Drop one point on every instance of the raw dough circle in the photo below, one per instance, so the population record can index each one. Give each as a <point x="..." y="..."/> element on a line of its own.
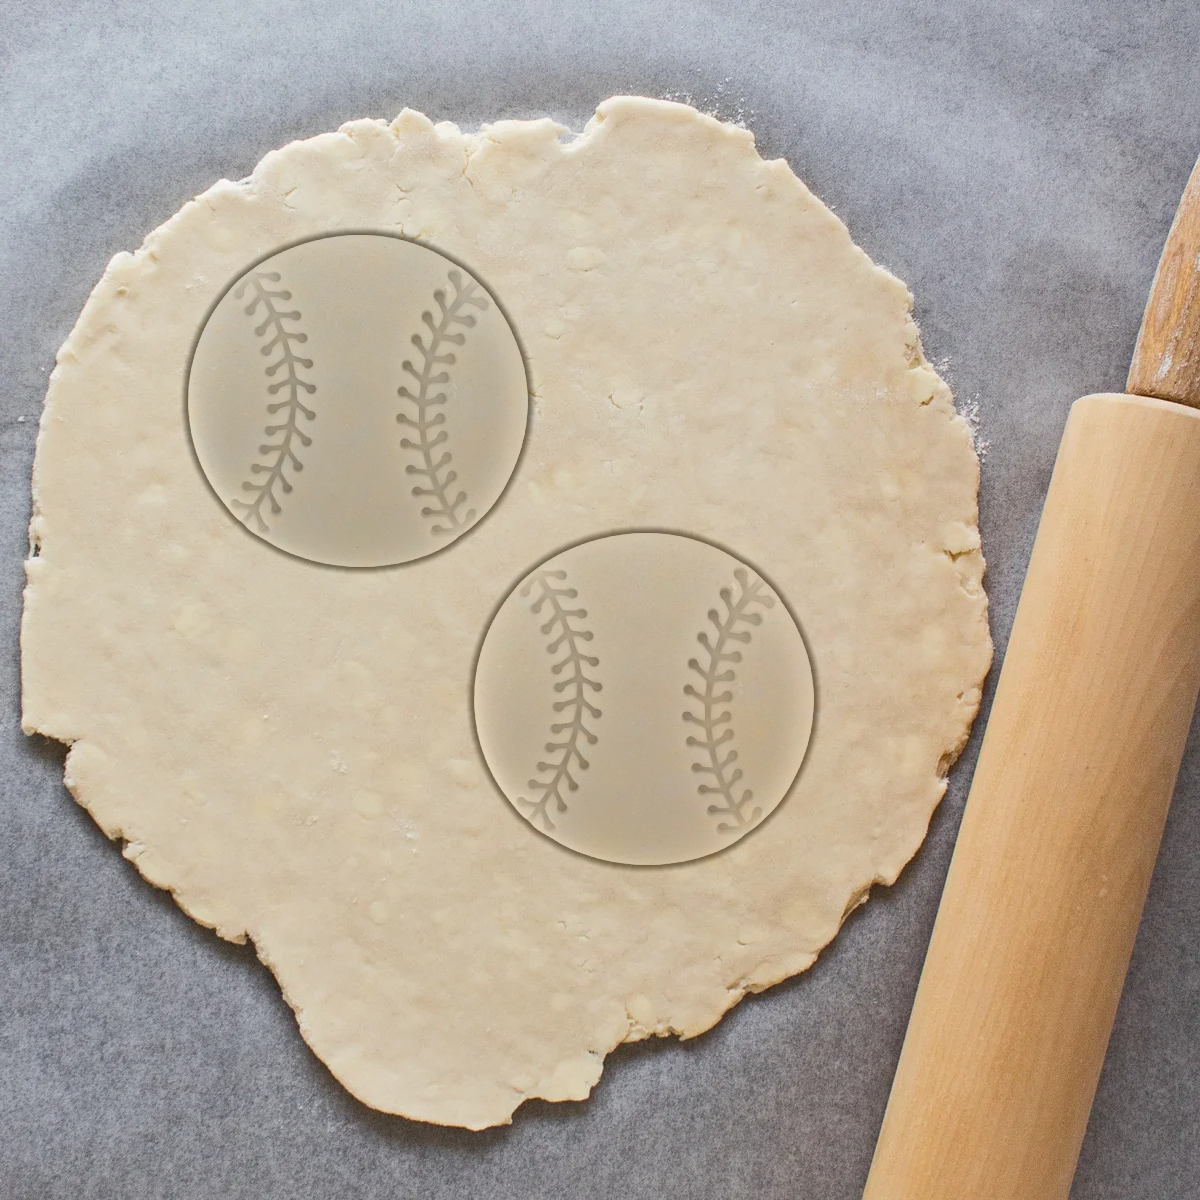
<point x="357" y="399"/>
<point x="644" y="698"/>
<point x="290" y="748"/>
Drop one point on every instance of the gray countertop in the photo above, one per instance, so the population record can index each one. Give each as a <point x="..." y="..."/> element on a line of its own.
<point x="1017" y="164"/>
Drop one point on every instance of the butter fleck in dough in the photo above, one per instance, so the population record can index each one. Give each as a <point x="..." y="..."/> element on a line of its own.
<point x="288" y="748"/>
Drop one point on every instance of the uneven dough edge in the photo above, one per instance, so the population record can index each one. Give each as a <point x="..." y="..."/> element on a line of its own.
<point x="575" y="1077"/>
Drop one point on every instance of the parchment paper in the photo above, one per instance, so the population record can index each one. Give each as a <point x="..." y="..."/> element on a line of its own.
<point x="1018" y="165"/>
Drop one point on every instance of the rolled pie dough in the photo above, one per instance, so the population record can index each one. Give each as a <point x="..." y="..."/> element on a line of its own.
<point x="289" y="747"/>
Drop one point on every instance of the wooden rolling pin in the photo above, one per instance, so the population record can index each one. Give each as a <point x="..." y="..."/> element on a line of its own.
<point x="1050" y="873"/>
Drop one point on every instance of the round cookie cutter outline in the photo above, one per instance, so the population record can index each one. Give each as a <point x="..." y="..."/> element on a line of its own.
<point x="359" y="232"/>
<point x="595" y="537"/>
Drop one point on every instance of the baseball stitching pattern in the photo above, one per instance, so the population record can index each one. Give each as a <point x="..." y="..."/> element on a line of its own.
<point x="425" y="426"/>
<point x="717" y="669"/>
<point x="265" y="300"/>
<point x="576" y="707"/>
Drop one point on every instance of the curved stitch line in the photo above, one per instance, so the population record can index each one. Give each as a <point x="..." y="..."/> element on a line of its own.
<point x="281" y="339"/>
<point x="715" y="706"/>
<point x="439" y="333"/>
<point x="576" y="706"/>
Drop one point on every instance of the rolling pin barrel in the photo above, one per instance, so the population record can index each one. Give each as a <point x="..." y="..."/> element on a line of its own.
<point x="1042" y="903"/>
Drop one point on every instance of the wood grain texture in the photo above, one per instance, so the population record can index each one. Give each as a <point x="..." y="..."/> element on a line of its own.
<point x="1166" y="360"/>
<point x="1058" y="842"/>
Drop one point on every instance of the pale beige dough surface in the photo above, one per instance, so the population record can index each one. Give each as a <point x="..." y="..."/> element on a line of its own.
<point x="288" y="747"/>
